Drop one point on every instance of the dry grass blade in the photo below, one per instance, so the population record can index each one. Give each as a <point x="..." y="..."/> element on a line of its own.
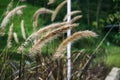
<point x="16" y="78"/>
<point x="51" y="1"/>
<point x="10" y="14"/>
<point x="40" y="78"/>
<point x="9" y="36"/>
<point x="57" y="10"/>
<point x="72" y="38"/>
<point x="50" y="76"/>
<point x="78" y="55"/>
<point x="72" y="13"/>
<point x="15" y="37"/>
<point x="48" y="37"/>
<point x="23" y="29"/>
<point x="75" y="18"/>
<point x="37" y="13"/>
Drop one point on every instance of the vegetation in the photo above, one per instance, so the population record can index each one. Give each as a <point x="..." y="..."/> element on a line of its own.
<point x="33" y="39"/>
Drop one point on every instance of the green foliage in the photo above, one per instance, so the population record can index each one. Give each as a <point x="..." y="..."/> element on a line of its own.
<point x="38" y="2"/>
<point x="112" y="57"/>
<point x="114" y="18"/>
<point x="116" y="39"/>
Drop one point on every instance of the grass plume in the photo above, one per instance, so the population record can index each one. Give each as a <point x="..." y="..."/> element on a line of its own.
<point x="74" y="37"/>
<point x="10" y="14"/>
<point x="75" y="18"/>
<point x="15" y="37"/>
<point x="36" y="35"/>
<point x="50" y="27"/>
<point x="48" y="37"/>
<point x="10" y="5"/>
<point x="51" y="1"/>
<point x="57" y="10"/>
<point x="9" y="36"/>
<point x="23" y="30"/>
<point x="71" y="14"/>
<point x="37" y="13"/>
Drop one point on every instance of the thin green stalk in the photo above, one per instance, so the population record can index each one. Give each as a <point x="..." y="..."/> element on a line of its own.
<point x="21" y="66"/>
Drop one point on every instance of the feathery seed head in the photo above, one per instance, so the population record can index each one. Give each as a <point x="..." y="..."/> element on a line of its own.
<point x="10" y="5"/>
<point x="75" y="18"/>
<point x="15" y="37"/>
<point x="38" y="34"/>
<point x="23" y="29"/>
<point x="48" y="37"/>
<point x="37" y="13"/>
<point x="10" y="14"/>
<point x="72" y="13"/>
<point x="74" y="37"/>
<point x="57" y="10"/>
<point x="9" y="36"/>
<point x="51" y="1"/>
